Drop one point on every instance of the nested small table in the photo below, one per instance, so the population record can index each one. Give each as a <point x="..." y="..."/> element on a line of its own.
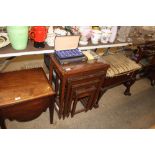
<point x="24" y="95"/>
<point x="72" y="79"/>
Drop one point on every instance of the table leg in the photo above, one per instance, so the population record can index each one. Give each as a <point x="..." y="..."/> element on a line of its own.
<point x="97" y="96"/>
<point x="68" y="101"/>
<point x="51" y="109"/>
<point x="50" y="72"/>
<point x="152" y="77"/>
<point x="152" y="82"/>
<point x="128" y="85"/>
<point x="101" y="93"/>
<point x="61" y="101"/>
<point x="2" y="123"/>
<point x="74" y="107"/>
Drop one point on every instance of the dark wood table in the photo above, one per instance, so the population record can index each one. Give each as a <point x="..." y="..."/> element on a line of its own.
<point x="67" y="71"/>
<point x="64" y="72"/>
<point x="24" y="95"/>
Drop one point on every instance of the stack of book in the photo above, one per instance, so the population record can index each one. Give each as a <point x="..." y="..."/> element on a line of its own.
<point x="70" y="56"/>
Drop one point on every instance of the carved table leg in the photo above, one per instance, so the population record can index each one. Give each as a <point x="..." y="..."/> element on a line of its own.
<point x="2" y="124"/>
<point x="128" y="85"/>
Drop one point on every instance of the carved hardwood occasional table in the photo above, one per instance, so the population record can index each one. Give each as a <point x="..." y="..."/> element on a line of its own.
<point x="24" y="95"/>
<point x="76" y="81"/>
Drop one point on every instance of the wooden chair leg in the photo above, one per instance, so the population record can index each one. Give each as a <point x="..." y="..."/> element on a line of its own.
<point x="2" y="124"/>
<point x="51" y="110"/>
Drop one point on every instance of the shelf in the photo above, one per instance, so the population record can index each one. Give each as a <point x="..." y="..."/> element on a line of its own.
<point x="91" y="46"/>
<point x="8" y="51"/>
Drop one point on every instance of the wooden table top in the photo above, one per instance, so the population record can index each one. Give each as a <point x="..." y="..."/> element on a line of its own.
<point x="79" y="67"/>
<point x="20" y="86"/>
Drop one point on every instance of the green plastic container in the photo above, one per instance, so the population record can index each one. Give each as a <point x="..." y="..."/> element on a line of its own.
<point x="18" y="36"/>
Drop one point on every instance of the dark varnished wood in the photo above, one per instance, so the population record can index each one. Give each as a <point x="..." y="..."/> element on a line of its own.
<point x="68" y="90"/>
<point x="88" y="92"/>
<point x="65" y="72"/>
<point x="144" y="53"/>
<point x="83" y="86"/>
<point x="26" y="111"/>
<point x="26" y="84"/>
<point x="127" y="79"/>
<point x="24" y="95"/>
<point x="2" y="123"/>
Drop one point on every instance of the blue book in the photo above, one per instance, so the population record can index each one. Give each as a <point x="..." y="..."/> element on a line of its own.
<point x="67" y="54"/>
